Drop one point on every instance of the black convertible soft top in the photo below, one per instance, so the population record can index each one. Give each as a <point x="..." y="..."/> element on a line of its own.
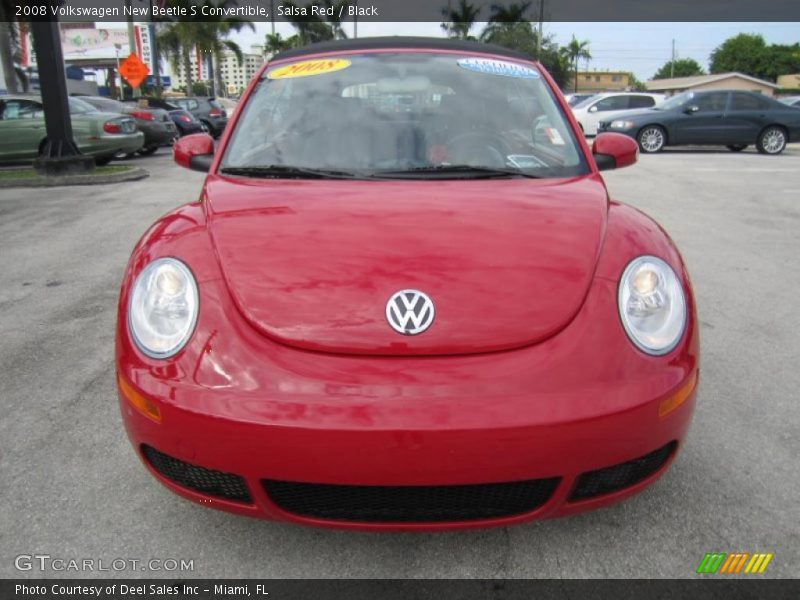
<point x="400" y="42"/>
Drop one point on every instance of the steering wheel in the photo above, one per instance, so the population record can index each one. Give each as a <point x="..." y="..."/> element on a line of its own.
<point x="477" y="148"/>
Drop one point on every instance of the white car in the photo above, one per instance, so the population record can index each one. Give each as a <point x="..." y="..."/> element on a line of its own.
<point x="604" y="107"/>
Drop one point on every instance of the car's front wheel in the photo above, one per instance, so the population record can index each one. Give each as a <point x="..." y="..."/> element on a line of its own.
<point x="651" y="139"/>
<point x="772" y="140"/>
<point x="736" y="147"/>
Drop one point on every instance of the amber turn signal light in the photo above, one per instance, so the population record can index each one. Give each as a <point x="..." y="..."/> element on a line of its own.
<point x="675" y="400"/>
<point x="139" y="402"/>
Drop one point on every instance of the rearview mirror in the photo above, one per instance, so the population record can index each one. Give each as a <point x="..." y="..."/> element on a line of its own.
<point x="691" y="109"/>
<point x="614" y="151"/>
<point x="195" y="152"/>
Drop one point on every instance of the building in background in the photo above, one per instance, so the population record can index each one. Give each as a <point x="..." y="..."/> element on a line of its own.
<point x="789" y="82"/>
<point x="235" y="76"/>
<point x="719" y="81"/>
<point x="602" y="81"/>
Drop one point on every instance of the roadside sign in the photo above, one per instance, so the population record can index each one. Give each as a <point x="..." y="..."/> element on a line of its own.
<point x="134" y="71"/>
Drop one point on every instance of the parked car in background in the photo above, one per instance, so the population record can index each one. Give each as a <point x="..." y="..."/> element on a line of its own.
<point x="155" y="123"/>
<point x="229" y="105"/>
<point x="207" y="109"/>
<point x="574" y="99"/>
<point x="791" y="101"/>
<point x="184" y="121"/>
<point x="730" y="118"/>
<point x="604" y="106"/>
<point x="99" y="134"/>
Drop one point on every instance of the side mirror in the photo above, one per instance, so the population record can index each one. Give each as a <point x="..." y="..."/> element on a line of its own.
<point x="593" y="108"/>
<point x="691" y="109"/>
<point x="194" y="152"/>
<point x="614" y="151"/>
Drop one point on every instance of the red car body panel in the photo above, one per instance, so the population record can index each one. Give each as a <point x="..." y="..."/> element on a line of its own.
<point x="293" y="374"/>
<point x="291" y="250"/>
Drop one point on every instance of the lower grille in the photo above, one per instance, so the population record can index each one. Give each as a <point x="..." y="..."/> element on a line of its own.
<point x="206" y="481"/>
<point x="611" y="479"/>
<point x="410" y="504"/>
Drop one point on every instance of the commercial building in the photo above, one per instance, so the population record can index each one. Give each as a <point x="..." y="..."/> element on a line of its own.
<point x="602" y="81"/>
<point x="719" y="81"/>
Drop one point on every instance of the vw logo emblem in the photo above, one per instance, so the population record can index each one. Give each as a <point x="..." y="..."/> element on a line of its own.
<point x="409" y="312"/>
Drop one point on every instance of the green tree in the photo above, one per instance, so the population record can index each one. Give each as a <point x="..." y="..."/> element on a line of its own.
<point x="507" y="22"/>
<point x="746" y="53"/>
<point x="177" y="41"/>
<point x="213" y="42"/>
<point x="312" y="28"/>
<point x="682" y="67"/>
<point x="574" y="51"/>
<point x="782" y="60"/>
<point x="635" y="85"/>
<point x="274" y="43"/>
<point x="459" y="21"/>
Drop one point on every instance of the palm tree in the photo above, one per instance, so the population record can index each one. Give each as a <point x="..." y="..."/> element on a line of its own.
<point x="509" y="28"/>
<point x="177" y="42"/>
<point x="212" y="40"/>
<point x="336" y="8"/>
<point x="574" y="51"/>
<point x="457" y="23"/>
<point x="274" y="43"/>
<point x="311" y="28"/>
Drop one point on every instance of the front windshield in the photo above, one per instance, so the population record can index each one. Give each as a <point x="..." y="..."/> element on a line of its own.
<point x="676" y="101"/>
<point x="386" y="114"/>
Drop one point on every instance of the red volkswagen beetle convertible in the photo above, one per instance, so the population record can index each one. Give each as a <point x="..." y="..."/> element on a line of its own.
<point x="404" y="300"/>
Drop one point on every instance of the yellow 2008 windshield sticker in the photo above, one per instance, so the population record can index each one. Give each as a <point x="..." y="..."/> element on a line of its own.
<point x="309" y="67"/>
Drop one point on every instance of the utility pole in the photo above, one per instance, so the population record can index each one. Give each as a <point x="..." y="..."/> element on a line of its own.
<point x="131" y="41"/>
<point x="672" y="61"/>
<point x="272" y="14"/>
<point x="154" y="53"/>
<point x="355" y="20"/>
<point x="539" y="37"/>
<point x="59" y="154"/>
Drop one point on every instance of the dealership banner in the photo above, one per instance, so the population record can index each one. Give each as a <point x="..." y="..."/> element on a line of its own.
<point x="405" y="10"/>
<point x="395" y="589"/>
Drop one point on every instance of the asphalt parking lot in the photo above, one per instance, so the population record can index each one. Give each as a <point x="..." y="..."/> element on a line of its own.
<point x="73" y="488"/>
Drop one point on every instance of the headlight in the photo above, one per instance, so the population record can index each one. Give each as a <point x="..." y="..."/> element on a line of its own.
<point x="163" y="308"/>
<point x="621" y="125"/>
<point x="652" y="305"/>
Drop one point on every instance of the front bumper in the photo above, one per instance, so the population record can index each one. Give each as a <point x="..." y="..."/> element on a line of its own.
<point x="112" y="144"/>
<point x="236" y="403"/>
<point x="630" y="132"/>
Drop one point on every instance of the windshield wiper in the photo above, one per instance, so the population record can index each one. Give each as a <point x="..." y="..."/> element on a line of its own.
<point x="460" y="171"/>
<point x="289" y="172"/>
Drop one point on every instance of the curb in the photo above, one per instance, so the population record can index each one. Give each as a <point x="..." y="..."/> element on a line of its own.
<point x="36" y="182"/>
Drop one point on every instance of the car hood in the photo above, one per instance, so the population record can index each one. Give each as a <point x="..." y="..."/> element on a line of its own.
<point x="313" y="263"/>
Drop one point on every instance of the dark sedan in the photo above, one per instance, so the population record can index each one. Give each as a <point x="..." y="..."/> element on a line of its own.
<point x="185" y="121"/>
<point x="729" y="118"/>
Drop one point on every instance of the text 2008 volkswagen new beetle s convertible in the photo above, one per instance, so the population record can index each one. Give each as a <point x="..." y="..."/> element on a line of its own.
<point x="404" y="300"/>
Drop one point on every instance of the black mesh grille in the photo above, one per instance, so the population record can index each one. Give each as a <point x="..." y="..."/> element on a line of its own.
<point x="199" y="479"/>
<point x="611" y="479"/>
<point x="409" y="504"/>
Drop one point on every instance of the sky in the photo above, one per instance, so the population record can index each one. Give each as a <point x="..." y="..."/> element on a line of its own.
<point x="641" y="48"/>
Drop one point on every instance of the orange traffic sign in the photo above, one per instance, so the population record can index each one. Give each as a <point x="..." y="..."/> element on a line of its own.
<point x="134" y="71"/>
